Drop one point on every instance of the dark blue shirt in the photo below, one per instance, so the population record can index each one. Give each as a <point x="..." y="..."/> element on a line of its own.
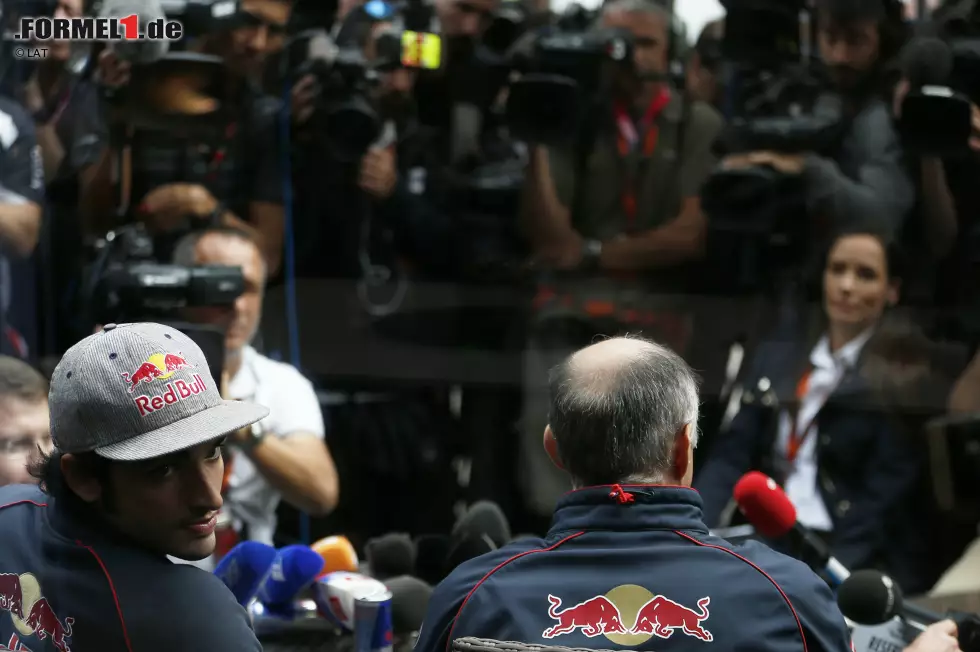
<point x="66" y="585"/>
<point x="638" y="574"/>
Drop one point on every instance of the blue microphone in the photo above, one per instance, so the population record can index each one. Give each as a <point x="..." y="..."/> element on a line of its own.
<point x="295" y="568"/>
<point x="244" y="569"/>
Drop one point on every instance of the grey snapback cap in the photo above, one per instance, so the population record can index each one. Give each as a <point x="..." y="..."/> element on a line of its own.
<point x="138" y="391"/>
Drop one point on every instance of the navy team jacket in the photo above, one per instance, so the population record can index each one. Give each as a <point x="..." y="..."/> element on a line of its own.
<point x="66" y="586"/>
<point x="634" y="567"/>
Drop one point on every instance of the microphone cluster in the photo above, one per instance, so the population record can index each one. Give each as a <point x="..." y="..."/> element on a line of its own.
<point x="321" y="588"/>
<point x="870" y="601"/>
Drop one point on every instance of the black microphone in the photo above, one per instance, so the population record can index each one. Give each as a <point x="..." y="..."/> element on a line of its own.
<point x="483" y="517"/>
<point x="869" y="597"/>
<point x="927" y="61"/>
<point x="390" y="555"/>
<point x="409" y="602"/>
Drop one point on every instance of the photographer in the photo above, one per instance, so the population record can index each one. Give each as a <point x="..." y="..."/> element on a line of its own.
<point x="379" y="208"/>
<point x="284" y="456"/>
<point x="866" y="180"/>
<point x="638" y="207"/>
<point x="394" y="181"/>
<point x="180" y="181"/>
<point x="21" y="198"/>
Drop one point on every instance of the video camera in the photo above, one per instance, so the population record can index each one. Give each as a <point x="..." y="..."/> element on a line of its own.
<point x="345" y="117"/>
<point x="125" y="284"/>
<point x="775" y="101"/>
<point x="944" y="79"/>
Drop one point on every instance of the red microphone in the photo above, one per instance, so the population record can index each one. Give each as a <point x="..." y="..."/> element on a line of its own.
<point x="771" y="513"/>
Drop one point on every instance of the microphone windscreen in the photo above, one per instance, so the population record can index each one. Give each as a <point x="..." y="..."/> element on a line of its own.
<point x="483" y="517"/>
<point x="409" y="602"/>
<point x="468" y="548"/>
<point x="144" y="50"/>
<point x="926" y="61"/>
<point x="869" y="598"/>
<point x="296" y="567"/>
<point x="335" y="594"/>
<point x="244" y="569"/>
<point x="431" y="552"/>
<point x="390" y="555"/>
<point x="338" y="554"/>
<point x="765" y="504"/>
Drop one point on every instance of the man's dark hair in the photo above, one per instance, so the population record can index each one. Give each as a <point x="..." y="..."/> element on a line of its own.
<point x="622" y="427"/>
<point x="20" y="380"/>
<point x="892" y="28"/>
<point x="46" y="469"/>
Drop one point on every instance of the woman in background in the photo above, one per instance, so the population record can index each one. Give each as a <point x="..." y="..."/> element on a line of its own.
<point x="818" y="414"/>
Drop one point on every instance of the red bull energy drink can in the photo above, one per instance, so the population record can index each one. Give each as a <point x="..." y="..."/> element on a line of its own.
<point x="372" y="623"/>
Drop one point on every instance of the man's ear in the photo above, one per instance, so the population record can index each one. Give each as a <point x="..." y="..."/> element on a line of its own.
<point x="683" y="464"/>
<point x="551" y="447"/>
<point x="80" y="479"/>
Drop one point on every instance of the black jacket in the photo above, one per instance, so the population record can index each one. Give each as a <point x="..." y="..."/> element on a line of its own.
<point x="869" y="469"/>
<point x="65" y="585"/>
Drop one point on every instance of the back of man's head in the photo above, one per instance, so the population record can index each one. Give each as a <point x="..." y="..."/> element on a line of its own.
<point x="617" y="408"/>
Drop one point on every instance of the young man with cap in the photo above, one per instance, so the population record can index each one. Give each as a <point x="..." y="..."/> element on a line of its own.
<point x="137" y="423"/>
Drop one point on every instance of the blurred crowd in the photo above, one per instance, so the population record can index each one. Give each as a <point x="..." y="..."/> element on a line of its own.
<point x="369" y="246"/>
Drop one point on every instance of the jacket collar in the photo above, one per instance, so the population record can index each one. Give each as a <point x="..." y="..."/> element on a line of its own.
<point x="629" y="507"/>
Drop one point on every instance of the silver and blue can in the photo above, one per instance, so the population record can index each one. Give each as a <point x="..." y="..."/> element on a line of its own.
<point x="372" y="623"/>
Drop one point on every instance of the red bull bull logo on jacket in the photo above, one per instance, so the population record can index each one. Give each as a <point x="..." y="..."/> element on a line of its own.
<point x="162" y="367"/>
<point x="31" y="613"/>
<point x="628" y="615"/>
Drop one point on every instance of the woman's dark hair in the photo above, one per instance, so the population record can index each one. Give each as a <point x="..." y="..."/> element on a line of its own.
<point x="46" y="469"/>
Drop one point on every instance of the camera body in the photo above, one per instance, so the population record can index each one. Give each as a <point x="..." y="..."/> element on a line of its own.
<point x="776" y="101"/>
<point x="566" y="75"/>
<point x="126" y="284"/>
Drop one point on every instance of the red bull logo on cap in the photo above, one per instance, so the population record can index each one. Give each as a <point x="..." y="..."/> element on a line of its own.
<point x="628" y="615"/>
<point x="31" y="613"/>
<point x="162" y="366"/>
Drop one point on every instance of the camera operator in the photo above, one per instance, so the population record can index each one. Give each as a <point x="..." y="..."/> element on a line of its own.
<point x="284" y="454"/>
<point x="383" y="208"/>
<point x="393" y="181"/>
<point x="659" y="143"/>
<point x="867" y="179"/>
<point x="21" y="198"/>
<point x="178" y="183"/>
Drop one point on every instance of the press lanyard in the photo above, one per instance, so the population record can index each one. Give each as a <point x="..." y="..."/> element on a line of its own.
<point x="629" y="137"/>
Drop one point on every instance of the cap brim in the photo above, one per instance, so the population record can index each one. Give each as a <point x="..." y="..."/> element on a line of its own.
<point x="207" y="425"/>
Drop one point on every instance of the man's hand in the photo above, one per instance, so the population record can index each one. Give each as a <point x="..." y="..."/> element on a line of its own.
<point x="785" y="163"/>
<point x="113" y="71"/>
<point x="378" y="173"/>
<point x="303" y="96"/>
<point x="165" y="208"/>
<point x="938" y="637"/>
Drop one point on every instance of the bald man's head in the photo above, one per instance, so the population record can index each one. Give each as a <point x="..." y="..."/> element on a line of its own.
<point x="618" y="408"/>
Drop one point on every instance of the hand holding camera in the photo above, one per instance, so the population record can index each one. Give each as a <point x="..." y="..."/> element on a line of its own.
<point x="165" y="208"/>
<point x="378" y="173"/>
